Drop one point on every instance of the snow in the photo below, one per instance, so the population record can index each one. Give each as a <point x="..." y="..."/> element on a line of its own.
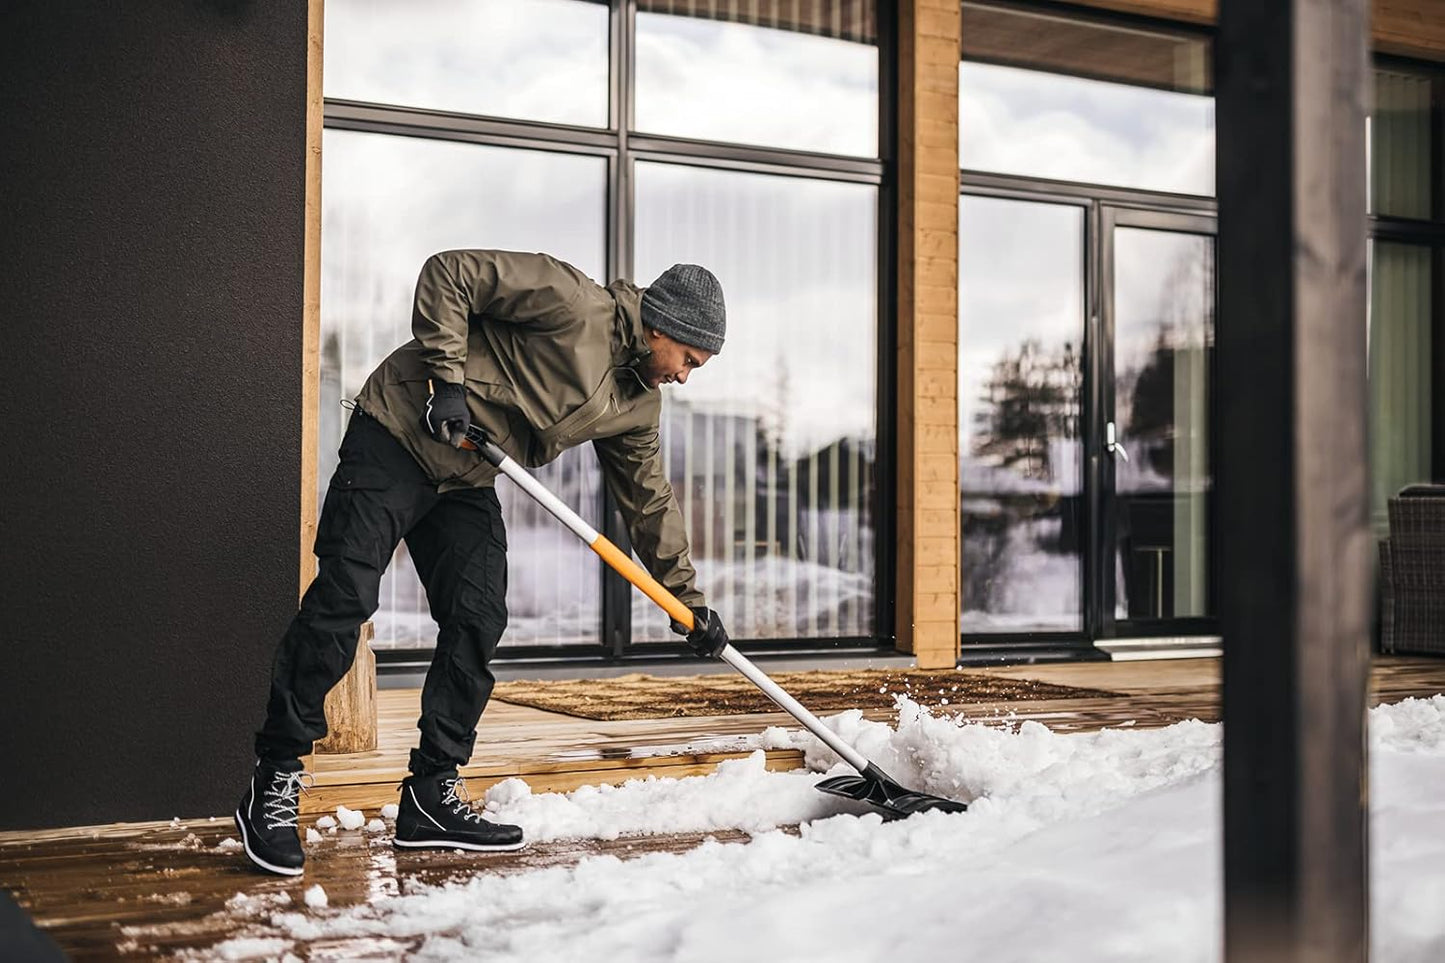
<point x="316" y="897"/>
<point x="326" y="822"/>
<point x="312" y="836"/>
<point x="376" y="826"/>
<point x="350" y="818"/>
<point x="389" y="811"/>
<point x="228" y="844"/>
<point x="1087" y="846"/>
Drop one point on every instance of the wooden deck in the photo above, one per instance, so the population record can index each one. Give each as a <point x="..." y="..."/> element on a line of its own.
<point x="143" y="890"/>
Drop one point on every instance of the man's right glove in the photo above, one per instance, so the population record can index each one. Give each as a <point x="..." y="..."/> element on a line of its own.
<point x="708" y="637"/>
<point x="446" y="415"/>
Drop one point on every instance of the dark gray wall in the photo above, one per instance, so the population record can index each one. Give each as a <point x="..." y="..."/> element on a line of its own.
<point x="150" y="377"/>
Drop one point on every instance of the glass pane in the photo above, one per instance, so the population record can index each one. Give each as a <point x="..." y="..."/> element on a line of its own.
<point x="542" y="60"/>
<point x="1021" y="335"/>
<point x="1401" y="380"/>
<point x="388" y="203"/>
<point x="1400" y="145"/>
<point x="1037" y="124"/>
<point x="783" y="77"/>
<point x="770" y="447"/>
<point x="1163" y="345"/>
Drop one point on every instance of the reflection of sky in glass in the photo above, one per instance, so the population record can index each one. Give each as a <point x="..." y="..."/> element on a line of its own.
<point x="1020" y="277"/>
<point x="540" y="60"/>
<point x="1038" y="124"/>
<point x="797" y="262"/>
<point x="755" y="85"/>
<point x="387" y="203"/>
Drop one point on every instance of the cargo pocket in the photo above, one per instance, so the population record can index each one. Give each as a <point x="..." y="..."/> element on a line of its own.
<point x="482" y="577"/>
<point x="357" y="522"/>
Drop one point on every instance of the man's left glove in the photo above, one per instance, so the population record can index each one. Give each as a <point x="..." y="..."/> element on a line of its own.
<point x="446" y="415"/>
<point x="708" y="637"/>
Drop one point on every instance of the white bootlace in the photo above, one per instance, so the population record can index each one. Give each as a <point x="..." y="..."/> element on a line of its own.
<point x="457" y="794"/>
<point x="281" y="799"/>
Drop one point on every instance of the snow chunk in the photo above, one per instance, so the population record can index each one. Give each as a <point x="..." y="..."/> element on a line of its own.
<point x="316" y="897"/>
<point x="312" y="836"/>
<point x="326" y="822"/>
<point x="229" y="845"/>
<point x="350" y="818"/>
<point x="389" y="811"/>
<point x="376" y="826"/>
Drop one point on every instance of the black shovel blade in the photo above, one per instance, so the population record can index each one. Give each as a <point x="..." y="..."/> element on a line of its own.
<point x="877" y="789"/>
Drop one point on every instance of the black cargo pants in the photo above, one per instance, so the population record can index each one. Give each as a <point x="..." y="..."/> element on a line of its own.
<point x="377" y="497"/>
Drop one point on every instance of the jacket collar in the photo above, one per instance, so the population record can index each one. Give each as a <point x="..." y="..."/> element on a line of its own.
<point x="629" y="337"/>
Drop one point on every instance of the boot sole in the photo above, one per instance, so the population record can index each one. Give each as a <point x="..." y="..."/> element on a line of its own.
<point x="453" y="844"/>
<point x="268" y="867"/>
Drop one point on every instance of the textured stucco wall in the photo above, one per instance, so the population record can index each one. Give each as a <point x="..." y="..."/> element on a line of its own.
<point x="150" y="380"/>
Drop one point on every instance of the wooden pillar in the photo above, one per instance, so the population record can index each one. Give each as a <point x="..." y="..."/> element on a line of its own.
<point x="1293" y="540"/>
<point x="351" y="704"/>
<point x="311" y="296"/>
<point x="927" y="427"/>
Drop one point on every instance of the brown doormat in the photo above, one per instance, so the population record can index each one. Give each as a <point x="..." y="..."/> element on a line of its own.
<point x="659" y="697"/>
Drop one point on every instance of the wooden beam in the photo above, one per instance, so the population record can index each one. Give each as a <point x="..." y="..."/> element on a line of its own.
<point x="1293" y="540"/>
<point x="1410" y="28"/>
<point x="927" y="362"/>
<point x="311" y="297"/>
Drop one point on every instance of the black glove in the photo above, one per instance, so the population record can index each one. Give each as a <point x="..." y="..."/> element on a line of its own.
<point x="708" y="637"/>
<point x="446" y="415"/>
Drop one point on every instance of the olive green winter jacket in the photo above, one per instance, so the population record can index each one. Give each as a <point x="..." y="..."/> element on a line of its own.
<point x="549" y="360"/>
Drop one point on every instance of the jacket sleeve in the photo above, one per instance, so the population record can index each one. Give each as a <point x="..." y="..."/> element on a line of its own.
<point x="633" y="471"/>
<point x="455" y="286"/>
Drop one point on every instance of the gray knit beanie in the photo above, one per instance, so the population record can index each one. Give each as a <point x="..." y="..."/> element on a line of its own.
<point x="686" y="303"/>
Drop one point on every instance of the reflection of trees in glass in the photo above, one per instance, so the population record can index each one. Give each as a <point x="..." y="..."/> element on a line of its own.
<point x="1030" y="398"/>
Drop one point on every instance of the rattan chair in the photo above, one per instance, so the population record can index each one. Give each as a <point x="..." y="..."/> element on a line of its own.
<point x="1412" y="573"/>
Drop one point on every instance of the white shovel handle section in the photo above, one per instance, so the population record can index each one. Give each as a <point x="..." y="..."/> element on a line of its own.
<point x="547" y="500"/>
<point x="793" y="707"/>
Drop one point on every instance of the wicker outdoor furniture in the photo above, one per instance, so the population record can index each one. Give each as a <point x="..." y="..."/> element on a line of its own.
<point x="1412" y="573"/>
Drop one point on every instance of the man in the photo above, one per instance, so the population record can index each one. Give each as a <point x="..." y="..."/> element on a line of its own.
<point x="541" y="358"/>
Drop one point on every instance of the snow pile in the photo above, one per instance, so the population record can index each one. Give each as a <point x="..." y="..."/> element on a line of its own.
<point x="389" y="811"/>
<point x="316" y="897"/>
<point x="350" y="818"/>
<point x="1098" y="846"/>
<point x="376" y="826"/>
<point x="326" y="822"/>
<point x="229" y="844"/>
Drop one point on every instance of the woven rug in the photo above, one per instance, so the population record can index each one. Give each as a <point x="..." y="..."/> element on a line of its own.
<point x="660" y="697"/>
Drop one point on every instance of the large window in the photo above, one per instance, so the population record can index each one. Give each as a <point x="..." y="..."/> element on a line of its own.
<point x="739" y="135"/>
<point x="1407" y="417"/>
<point x="1086" y="317"/>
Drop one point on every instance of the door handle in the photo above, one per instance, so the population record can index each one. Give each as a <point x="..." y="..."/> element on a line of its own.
<point x="1111" y="443"/>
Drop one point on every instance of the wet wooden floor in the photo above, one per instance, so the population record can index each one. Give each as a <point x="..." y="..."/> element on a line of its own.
<point x="140" y="891"/>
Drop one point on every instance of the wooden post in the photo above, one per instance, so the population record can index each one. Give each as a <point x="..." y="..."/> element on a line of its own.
<point x="927" y="430"/>
<point x="351" y="705"/>
<point x="1292" y="566"/>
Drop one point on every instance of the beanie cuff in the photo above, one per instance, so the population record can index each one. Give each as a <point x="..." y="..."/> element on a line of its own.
<point x="680" y="329"/>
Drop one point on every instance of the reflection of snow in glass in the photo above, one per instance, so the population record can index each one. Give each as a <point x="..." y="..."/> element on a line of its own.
<point x="1038" y="124"/>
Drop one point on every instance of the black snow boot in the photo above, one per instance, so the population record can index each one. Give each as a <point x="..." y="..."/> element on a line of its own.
<point x="435" y="813"/>
<point x="266" y="817"/>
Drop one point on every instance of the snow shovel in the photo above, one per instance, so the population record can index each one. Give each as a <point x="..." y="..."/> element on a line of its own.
<point x="872" y="785"/>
